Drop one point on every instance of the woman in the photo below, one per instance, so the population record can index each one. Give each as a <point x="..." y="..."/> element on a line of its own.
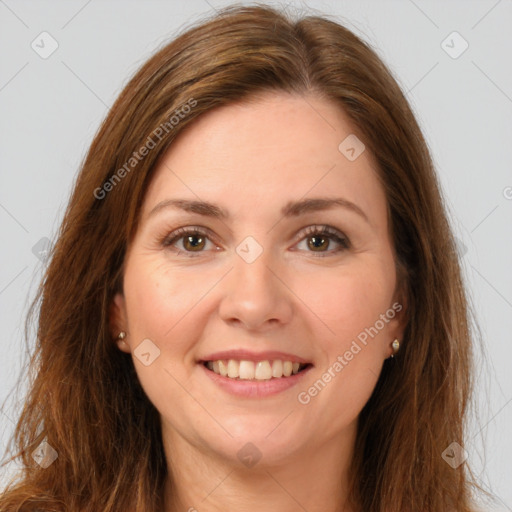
<point x="255" y="301"/>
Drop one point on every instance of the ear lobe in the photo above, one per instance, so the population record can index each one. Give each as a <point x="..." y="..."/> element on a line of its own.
<point x="117" y="316"/>
<point x="400" y="302"/>
<point x="399" y="321"/>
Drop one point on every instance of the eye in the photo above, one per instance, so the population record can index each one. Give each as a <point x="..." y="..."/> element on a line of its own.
<point x="192" y="240"/>
<point x="319" y="238"/>
<point x="195" y="240"/>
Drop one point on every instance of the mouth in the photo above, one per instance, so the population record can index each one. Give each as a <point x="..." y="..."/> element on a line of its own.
<point x="264" y="370"/>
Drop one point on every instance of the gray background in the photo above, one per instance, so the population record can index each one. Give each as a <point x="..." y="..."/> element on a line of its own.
<point x="51" y="108"/>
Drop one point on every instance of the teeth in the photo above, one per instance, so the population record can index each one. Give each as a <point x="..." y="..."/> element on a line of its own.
<point x="223" y="368"/>
<point x="263" y="370"/>
<point x="250" y="370"/>
<point x="246" y="370"/>
<point x="233" y="369"/>
<point x="277" y="368"/>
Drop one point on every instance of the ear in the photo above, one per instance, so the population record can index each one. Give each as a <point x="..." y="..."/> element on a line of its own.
<point x="118" y="321"/>
<point x="398" y="323"/>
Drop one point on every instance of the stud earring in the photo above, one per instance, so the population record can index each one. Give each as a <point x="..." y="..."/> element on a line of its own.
<point x="121" y="336"/>
<point x="396" y="347"/>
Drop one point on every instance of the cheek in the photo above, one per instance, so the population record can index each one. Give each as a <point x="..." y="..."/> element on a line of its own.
<point x="159" y="306"/>
<point x="159" y="300"/>
<point x="349" y="300"/>
<point x="350" y="303"/>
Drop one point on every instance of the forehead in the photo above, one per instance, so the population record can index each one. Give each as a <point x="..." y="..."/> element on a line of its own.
<point x="275" y="148"/>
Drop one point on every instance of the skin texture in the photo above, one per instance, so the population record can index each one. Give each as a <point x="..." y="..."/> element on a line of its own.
<point x="251" y="159"/>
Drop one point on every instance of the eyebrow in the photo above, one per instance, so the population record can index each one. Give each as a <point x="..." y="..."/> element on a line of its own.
<point x="291" y="209"/>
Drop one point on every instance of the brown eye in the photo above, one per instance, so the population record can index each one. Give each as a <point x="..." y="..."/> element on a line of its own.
<point x="318" y="242"/>
<point x="321" y="238"/>
<point x="188" y="241"/>
<point x="194" y="242"/>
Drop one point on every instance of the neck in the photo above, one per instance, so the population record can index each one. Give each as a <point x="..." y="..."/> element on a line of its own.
<point x="316" y="479"/>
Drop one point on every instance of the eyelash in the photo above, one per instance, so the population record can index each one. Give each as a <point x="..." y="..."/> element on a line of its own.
<point x="310" y="231"/>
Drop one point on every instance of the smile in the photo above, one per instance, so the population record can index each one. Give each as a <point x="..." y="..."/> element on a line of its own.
<point x="255" y="370"/>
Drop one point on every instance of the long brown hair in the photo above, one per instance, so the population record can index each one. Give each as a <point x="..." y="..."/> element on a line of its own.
<point x="85" y="400"/>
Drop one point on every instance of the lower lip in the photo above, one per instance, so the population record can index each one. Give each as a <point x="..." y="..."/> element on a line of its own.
<point x="255" y="388"/>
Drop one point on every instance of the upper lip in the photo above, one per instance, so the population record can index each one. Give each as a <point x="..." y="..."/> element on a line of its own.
<point x="247" y="355"/>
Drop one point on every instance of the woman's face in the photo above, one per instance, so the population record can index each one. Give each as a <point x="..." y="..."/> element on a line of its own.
<point x="260" y="286"/>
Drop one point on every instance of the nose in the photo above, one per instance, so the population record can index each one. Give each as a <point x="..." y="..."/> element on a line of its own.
<point x="255" y="295"/>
